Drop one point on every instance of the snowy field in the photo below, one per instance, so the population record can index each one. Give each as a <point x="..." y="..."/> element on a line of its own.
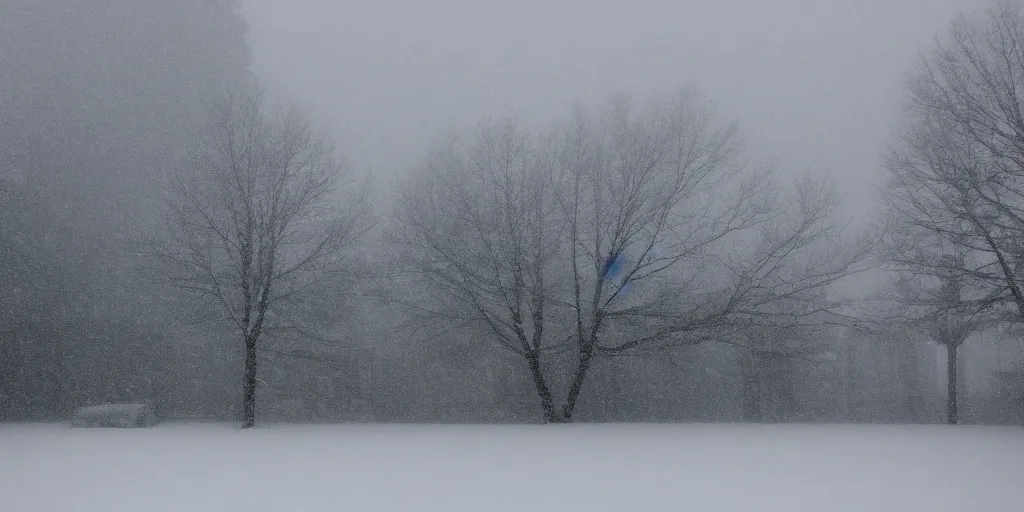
<point x="191" y="468"/>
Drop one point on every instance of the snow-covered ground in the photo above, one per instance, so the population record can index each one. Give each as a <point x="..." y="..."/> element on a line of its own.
<point x="191" y="468"/>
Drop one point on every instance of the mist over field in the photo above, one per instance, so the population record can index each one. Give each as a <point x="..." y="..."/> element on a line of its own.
<point x="273" y="214"/>
<point x="790" y="234"/>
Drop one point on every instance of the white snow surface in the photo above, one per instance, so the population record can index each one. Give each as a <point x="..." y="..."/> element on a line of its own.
<point x="192" y="468"/>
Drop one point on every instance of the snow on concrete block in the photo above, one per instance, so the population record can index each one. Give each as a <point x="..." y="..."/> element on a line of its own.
<point x="115" y="416"/>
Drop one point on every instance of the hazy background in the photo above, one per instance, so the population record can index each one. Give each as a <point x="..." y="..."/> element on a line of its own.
<point x="101" y="102"/>
<point x="817" y="85"/>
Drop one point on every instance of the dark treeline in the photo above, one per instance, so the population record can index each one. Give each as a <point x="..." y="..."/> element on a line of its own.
<point x="171" y="235"/>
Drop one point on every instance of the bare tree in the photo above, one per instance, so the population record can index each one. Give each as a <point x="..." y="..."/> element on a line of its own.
<point x="957" y="168"/>
<point x="705" y="245"/>
<point x="956" y="185"/>
<point x="480" y="224"/>
<point x="257" y="228"/>
<point x="624" y="230"/>
<point x="940" y="306"/>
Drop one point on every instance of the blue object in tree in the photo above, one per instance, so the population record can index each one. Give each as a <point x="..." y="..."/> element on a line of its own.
<point x="613" y="266"/>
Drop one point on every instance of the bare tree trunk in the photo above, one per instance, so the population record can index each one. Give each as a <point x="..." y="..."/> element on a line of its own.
<point x="249" y="385"/>
<point x="582" y="366"/>
<point x="547" y="403"/>
<point x="951" y="402"/>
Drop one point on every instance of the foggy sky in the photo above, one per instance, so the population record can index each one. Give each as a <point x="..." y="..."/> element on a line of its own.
<point x="816" y="84"/>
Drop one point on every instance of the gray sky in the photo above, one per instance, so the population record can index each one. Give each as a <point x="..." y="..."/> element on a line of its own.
<point x="815" y="83"/>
